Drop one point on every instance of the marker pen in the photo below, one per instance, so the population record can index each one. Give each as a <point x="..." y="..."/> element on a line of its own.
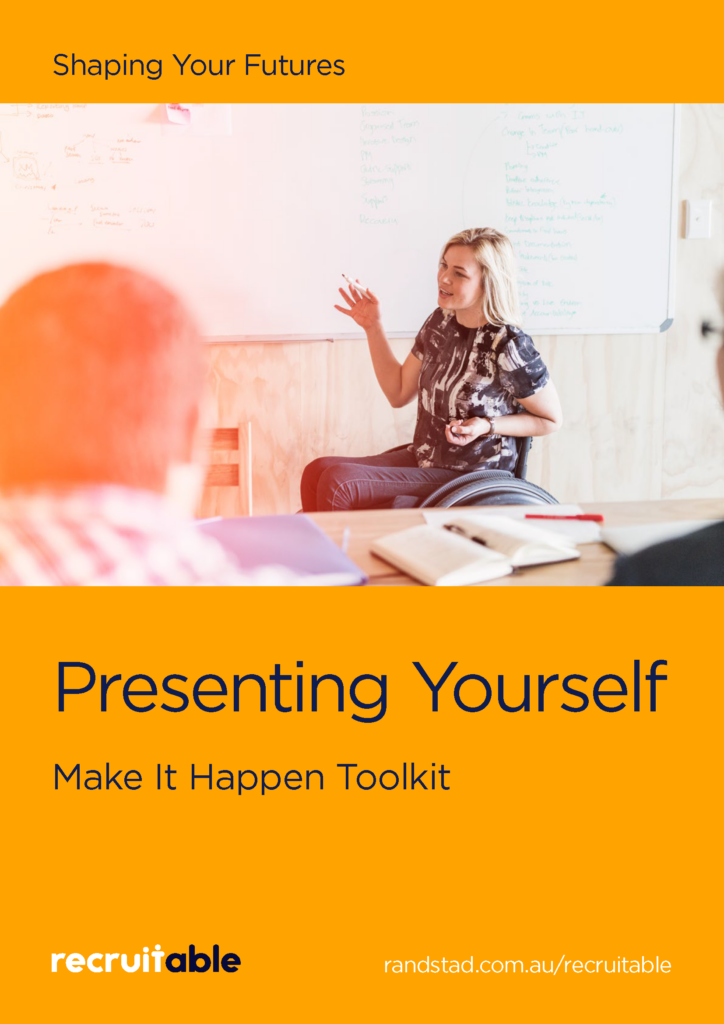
<point x="357" y="287"/>
<point x="587" y="518"/>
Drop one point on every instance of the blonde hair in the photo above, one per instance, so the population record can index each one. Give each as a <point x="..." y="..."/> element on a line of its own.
<point x="494" y="255"/>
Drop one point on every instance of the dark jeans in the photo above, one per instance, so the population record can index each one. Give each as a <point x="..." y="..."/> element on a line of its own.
<point x="339" y="483"/>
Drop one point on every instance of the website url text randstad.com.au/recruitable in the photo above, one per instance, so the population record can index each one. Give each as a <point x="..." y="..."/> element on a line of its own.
<point x="619" y="965"/>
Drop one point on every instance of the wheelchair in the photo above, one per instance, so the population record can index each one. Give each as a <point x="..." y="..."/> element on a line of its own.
<point x="485" y="487"/>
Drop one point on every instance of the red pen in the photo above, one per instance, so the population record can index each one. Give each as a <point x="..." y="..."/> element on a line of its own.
<point x="585" y="517"/>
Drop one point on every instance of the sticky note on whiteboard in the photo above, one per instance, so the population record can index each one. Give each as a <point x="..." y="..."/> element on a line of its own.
<point x="179" y="113"/>
<point x="199" y="118"/>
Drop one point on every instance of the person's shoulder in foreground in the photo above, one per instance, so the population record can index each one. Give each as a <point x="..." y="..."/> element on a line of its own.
<point x="691" y="561"/>
<point x="112" y="536"/>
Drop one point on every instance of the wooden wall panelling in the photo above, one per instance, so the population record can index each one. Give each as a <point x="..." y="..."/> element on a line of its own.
<point x="693" y="451"/>
<point x="612" y="392"/>
<point x="344" y="409"/>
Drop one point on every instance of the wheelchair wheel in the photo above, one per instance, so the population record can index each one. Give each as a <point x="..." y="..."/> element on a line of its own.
<point x="504" y="489"/>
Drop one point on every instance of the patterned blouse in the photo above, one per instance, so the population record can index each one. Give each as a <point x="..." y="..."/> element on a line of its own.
<point x="466" y="372"/>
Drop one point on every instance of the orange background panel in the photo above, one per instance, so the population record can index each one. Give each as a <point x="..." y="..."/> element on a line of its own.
<point x="589" y="835"/>
<point x="532" y="52"/>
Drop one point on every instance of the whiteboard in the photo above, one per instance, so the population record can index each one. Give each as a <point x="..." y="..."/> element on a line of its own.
<point x="254" y="211"/>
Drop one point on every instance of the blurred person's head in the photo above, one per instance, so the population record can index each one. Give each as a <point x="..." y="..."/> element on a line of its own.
<point x="100" y="377"/>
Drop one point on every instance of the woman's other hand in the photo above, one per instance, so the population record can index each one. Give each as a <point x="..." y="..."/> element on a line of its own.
<point x="462" y="432"/>
<point x="364" y="311"/>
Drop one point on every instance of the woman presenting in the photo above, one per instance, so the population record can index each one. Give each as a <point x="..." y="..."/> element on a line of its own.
<point x="479" y="381"/>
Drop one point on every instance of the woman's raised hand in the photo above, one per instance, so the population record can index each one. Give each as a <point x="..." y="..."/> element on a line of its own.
<point x="364" y="311"/>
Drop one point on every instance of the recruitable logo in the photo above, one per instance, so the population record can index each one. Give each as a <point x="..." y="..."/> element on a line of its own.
<point x="176" y="963"/>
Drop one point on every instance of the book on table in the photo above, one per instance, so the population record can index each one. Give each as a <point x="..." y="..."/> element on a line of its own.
<point x="472" y="549"/>
<point x="293" y="542"/>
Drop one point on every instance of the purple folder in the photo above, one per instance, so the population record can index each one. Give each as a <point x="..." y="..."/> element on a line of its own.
<point x="295" y="542"/>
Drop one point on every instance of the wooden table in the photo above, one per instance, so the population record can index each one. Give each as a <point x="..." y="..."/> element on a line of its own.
<point x="592" y="569"/>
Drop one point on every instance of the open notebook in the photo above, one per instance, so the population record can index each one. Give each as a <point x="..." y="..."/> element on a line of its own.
<point x="577" y="531"/>
<point x="470" y="550"/>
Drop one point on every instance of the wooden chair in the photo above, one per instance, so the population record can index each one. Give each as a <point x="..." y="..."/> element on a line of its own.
<point x="229" y="474"/>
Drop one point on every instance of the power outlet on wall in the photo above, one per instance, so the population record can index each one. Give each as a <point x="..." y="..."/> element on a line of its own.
<point x="698" y="218"/>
